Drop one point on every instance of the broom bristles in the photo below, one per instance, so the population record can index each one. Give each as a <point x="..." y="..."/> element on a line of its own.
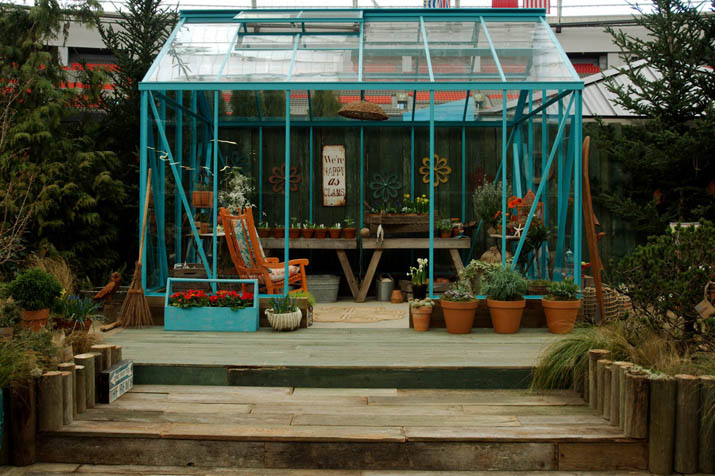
<point x="135" y="309"/>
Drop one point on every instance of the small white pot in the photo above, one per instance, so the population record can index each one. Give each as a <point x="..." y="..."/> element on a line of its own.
<point x="284" y="322"/>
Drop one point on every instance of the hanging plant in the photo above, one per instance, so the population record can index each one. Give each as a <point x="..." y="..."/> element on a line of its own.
<point x="441" y="170"/>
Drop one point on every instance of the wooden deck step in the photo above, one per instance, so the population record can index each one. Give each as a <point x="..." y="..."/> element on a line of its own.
<point x="346" y="429"/>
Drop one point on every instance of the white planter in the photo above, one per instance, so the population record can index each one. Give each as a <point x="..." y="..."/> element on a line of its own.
<point x="284" y="322"/>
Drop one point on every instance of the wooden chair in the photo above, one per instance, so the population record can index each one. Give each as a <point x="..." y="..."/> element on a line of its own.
<point x="250" y="260"/>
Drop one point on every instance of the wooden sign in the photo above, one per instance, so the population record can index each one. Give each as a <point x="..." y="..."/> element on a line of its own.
<point x="334" y="184"/>
<point x="115" y="381"/>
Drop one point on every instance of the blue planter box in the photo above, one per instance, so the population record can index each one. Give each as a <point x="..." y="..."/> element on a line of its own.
<point x="211" y="319"/>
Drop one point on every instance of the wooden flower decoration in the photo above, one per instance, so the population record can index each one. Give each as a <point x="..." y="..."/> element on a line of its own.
<point x="279" y="177"/>
<point x="385" y="187"/>
<point x="441" y="170"/>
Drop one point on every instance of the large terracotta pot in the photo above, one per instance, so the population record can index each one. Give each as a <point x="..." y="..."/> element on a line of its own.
<point x="35" y="320"/>
<point x="459" y="316"/>
<point x="506" y="315"/>
<point x="349" y="233"/>
<point x="560" y="315"/>
<point x="421" y="318"/>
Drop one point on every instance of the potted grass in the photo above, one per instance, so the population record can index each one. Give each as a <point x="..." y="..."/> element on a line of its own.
<point x="9" y="316"/>
<point x="444" y="226"/>
<point x="459" y="306"/>
<point x="349" y="231"/>
<point x="284" y="315"/>
<point x="264" y="230"/>
<point x="561" y="305"/>
<point x="308" y="230"/>
<point x="75" y="313"/>
<point x="421" y="313"/>
<point x="321" y="231"/>
<point x="35" y="292"/>
<point x="294" y="230"/>
<point x="505" y="290"/>
<point x="278" y="231"/>
<point x="335" y="230"/>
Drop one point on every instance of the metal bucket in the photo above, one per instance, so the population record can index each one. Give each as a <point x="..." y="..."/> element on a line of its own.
<point x="384" y="285"/>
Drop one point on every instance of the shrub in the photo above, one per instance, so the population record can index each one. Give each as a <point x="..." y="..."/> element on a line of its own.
<point x="35" y="289"/>
<point x="487" y="200"/>
<point x="505" y="285"/>
<point x="459" y="292"/>
<point x="9" y="313"/>
<point x="565" y="290"/>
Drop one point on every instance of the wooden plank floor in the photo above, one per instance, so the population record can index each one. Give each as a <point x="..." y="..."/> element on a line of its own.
<point x="284" y="427"/>
<point x="335" y="347"/>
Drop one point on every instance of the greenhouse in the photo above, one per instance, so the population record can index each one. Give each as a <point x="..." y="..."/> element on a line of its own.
<point x="355" y="116"/>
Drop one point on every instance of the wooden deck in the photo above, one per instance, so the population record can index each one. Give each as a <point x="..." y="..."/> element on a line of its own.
<point x="366" y="429"/>
<point x="335" y="357"/>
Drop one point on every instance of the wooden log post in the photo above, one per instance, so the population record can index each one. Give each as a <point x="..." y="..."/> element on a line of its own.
<point x="67" y="402"/>
<point x="661" y="434"/>
<point x="71" y="367"/>
<point x="116" y="354"/>
<point x="87" y="361"/>
<point x="49" y="402"/>
<point x="578" y="380"/>
<point x="706" y="453"/>
<point x="23" y="424"/>
<point x="686" y="424"/>
<point x="637" y="401"/>
<point x="80" y="385"/>
<point x="622" y="369"/>
<point x="106" y="352"/>
<point x="594" y="355"/>
<point x="607" y="379"/>
<point x="615" y="413"/>
<point x="601" y="389"/>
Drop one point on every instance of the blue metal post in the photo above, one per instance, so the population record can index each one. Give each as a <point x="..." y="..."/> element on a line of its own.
<point x="464" y="175"/>
<point x="214" y="241"/>
<point x="530" y="151"/>
<point x="503" y="180"/>
<point x="260" y="172"/>
<point x="577" y="179"/>
<point x="431" y="191"/>
<point x="179" y="159"/>
<point x="143" y="168"/>
<point x="547" y="216"/>
<point x="412" y="161"/>
<point x="286" y="218"/>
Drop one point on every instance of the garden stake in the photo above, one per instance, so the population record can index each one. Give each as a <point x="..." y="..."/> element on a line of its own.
<point x="135" y="310"/>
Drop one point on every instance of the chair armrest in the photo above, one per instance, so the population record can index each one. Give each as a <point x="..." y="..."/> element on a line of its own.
<point x="272" y="260"/>
<point x="298" y="262"/>
<point x="293" y="262"/>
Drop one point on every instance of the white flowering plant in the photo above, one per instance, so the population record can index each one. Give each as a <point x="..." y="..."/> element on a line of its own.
<point x="237" y="190"/>
<point x="418" y="275"/>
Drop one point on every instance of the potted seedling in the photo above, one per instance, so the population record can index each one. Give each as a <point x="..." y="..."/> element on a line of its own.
<point x="505" y="290"/>
<point x="278" y="231"/>
<point x="349" y="231"/>
<point x="445" y="228"/>
<point x="75" y="313"/>
<point x="421" y="313"/>
<point x="35" y="292"/>
<point x="284" y="315"/>
<point x="418" y="276"/>
<point x="308" y="230"/>
<point x="202" y="196"/>
<point x="537" y="287"/>
<point x="264" y="229"/>
<point x="9" y="316"/>
<point x="321" y="231"/>
<point x="561" y="305"/>
<point x="294" y="230"/>
<point x="459" y="305"/>
<point x="335" y="230"/>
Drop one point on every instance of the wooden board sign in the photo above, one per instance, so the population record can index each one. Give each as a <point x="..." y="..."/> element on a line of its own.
<point x="115" y="381"/>
<point x="334" y="183"/>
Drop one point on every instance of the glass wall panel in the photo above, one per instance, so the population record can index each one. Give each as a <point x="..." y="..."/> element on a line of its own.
<point x="394" y="51"/>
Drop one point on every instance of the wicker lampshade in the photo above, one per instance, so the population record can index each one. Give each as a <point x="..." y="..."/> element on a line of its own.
<point x="364" y="110"/>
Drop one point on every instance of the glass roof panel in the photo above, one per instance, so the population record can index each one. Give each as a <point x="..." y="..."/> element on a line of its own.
<point x="196" y="54"/>
<point x="394" y="51"/>
<point x="322" y="58"/>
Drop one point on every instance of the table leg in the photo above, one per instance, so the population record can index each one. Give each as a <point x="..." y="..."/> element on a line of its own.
<point x="371" y="268"/>
<point x="456" y="260"/>
<point x="348" y="272"/>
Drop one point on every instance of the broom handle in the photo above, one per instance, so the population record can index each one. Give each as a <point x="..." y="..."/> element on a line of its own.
<point x="146" y="211"/>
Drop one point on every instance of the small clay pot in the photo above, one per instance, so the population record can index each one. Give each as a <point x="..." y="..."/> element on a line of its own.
<point x="421" y="317"/>
<point x="279" y="232"/>
<point x="445" y="234"/>
<point x="334" y="232"/>
<point x="294" y="232"/>
<point x="349" y="233"/>
<point x="264" y="232"/>
<point x="321" y="233"/>
<point x="396" y="296"/>
<point x="308" y="232"/>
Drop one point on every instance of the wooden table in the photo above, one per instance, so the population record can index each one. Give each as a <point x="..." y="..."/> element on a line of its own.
<point x="451" y="244"/>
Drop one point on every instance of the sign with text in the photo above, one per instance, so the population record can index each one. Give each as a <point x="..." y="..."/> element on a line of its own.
<point x="334" y="185"/>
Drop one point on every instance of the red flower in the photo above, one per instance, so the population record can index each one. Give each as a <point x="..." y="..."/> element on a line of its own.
<point x="233" y="294"/>
<point x="247" y="296"/>
<point x="513" y="202"/>
<point x="175" y="295"/>
<point x="213" y="298"/>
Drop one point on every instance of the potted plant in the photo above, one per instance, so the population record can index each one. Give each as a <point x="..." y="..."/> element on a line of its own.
<point x="284" y="315"/>
<point x="445" y="228"/>
<point x="237" y="188"/>
<point x="202" y="196"/>
<point x="231" y="311"/>
<point x="537" y="287"/>
<point x="294" y="230"/>
<point x="278" y="231"/>
<point x="418" y="276"/>
<point x="203" y="226"/>
<point x="35" y="292"/>
<point x="75" y="313"/>
<point x="9" y="316"/>
<point x="505" y="289"/>
<point x="561" y="305"/>
<point x="421" y="313"/>
<point x="487" y="203"/>
<point x="308" y="230"/>
<point x="474" y="271"/>
<point x="334" y="231"/>
<point x="321" y="231"/>
<point x="459" y="305"/>
<point x="264" y="229"/>
<point x="349" y="231"/>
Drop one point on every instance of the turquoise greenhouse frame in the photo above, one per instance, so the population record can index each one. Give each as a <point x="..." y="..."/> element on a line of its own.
<point x="503" y="51"/>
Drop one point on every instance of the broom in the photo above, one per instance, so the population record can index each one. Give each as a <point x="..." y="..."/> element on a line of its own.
<point x="135" y="310"/>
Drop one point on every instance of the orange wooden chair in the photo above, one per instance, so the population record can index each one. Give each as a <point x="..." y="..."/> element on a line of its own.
<point x="250" y="260"/>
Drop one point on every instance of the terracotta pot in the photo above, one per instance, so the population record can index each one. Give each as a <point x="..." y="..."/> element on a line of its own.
<point x="264" y="232"/>
<point x="560" y="315"/>
<point x="202" y="199"/>
<point x="421" y="318"/>
<point x="35" y="320"/>
<point x="205" y="228"/>
<point x="419" y="291"/>
<point x="294" y="232"/>
<point x="445" y="234"/>
<point x="459" y="316"/>
<point x="308" y="232"/>
<point x="506" y="315"/>
<point x="349" y="233"/>
<point x="321" y="232"/>
<point x="396" y="296"/>
<point x="278" y="232"/>
<point x="68" y="326"/>
<point x="334" y="232"/>
<point x="536" y="290"/>
<point x="455" y="231"/>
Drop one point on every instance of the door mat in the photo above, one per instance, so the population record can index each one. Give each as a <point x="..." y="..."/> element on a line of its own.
<point x="356" y="314"/>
